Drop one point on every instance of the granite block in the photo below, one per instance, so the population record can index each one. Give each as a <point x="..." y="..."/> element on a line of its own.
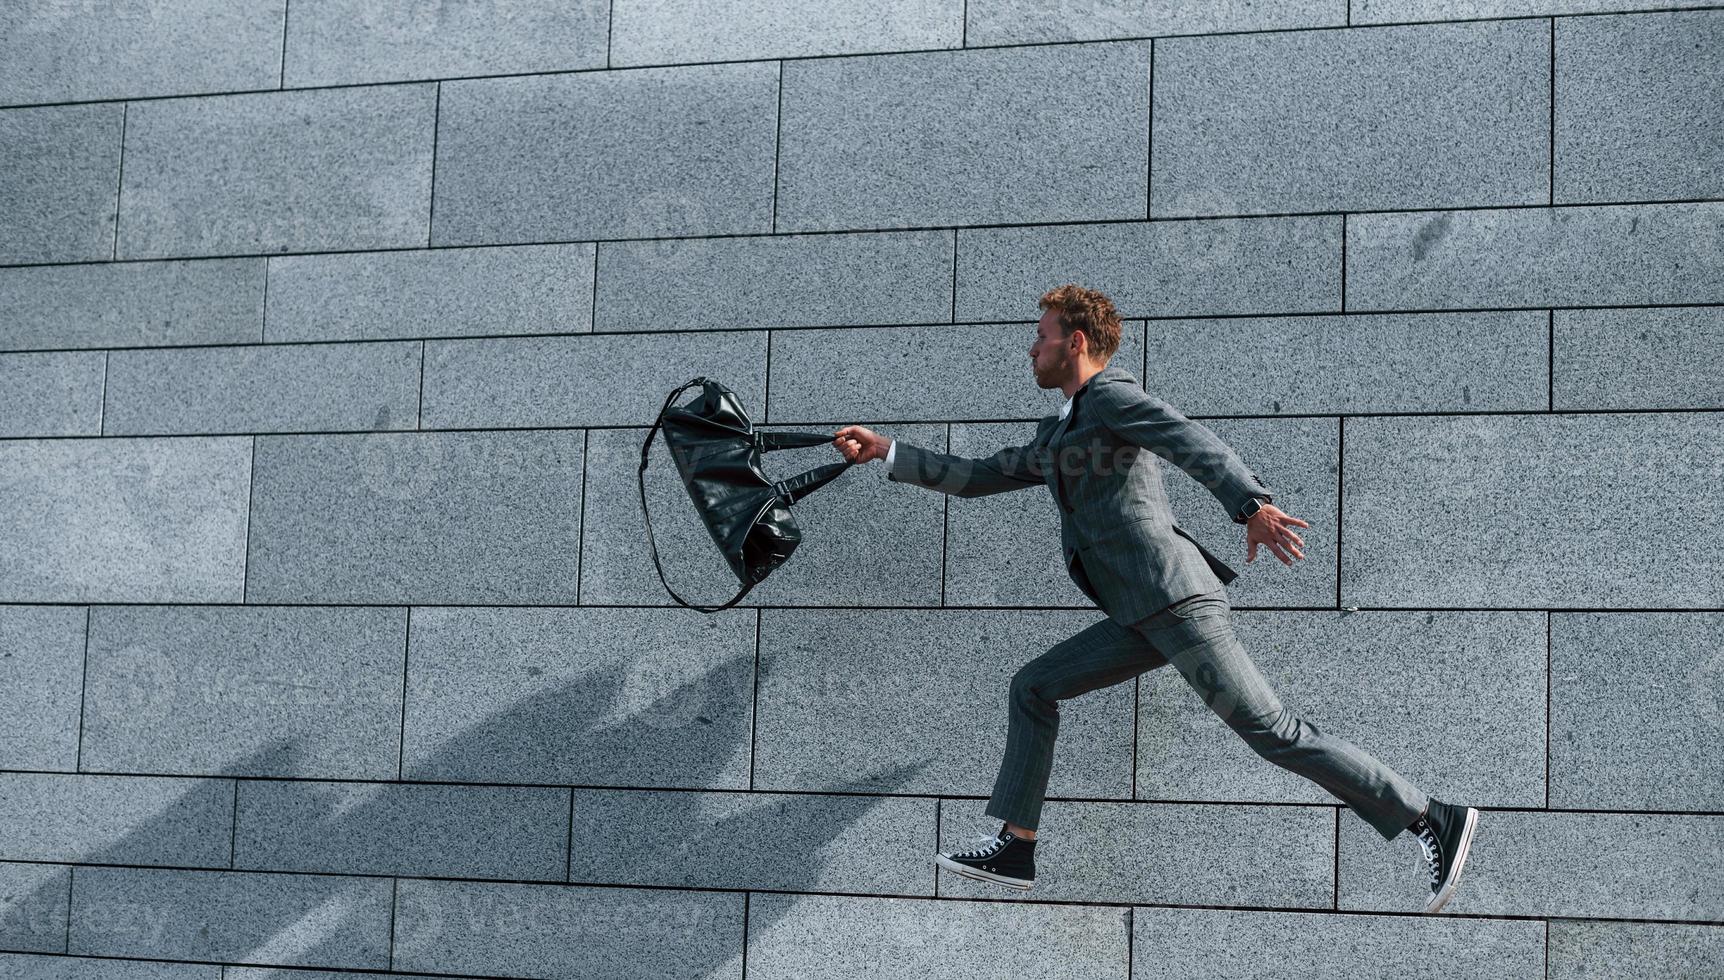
<point x="624" y="697"/>
<point x="401" y="517"/>
<point x="1353" y="363"/>
<point x="940" y="138"/>
<point x="83" y="50"/>
<point x="232" y="917"/>
<point x="263" y="388"/>
<point x="514" y="832"/>
<point x="1633" y="950"/>
<point x="116" y="819"/>
<point x="799" y="842"/>
<point x="1380" y="11"/>
<point x="1429" y="116"/>
<point x="498" y="929"/>
<point x="128" y="304"/>
<point x="1637" y="710"/>
<point x="949" y="372"/>
<point x="1608" y="255"/>
<point x="851" y="938"/>
<point x="1453" y="701"/>
<point x="592" y="379"/>
<point x="231" y="690"/>
<point x="349" y="42"/>
<point x="263" y="973"/>
<point x="61" y="167"/>
<point x="916" y="702"/>
<point x="1458" y="511"/>
<point x="41" y="686"/>
<point x="1156" y="268"/>
<point x="893" y="561"/>
<point x="1663" y="358"/>
<point x="33" y="901"/>
<point x="124" y="520"/>
<point x="775" y="281"/>
<point x="1531" y="863"/>
<point x="52" y="394"/>
<point x="1640" y="107"/>
<point x="21" y="966"/>
<point x="1043" y="21"/>
<point x="437" y="292"/>
<point x="313" y="170"/>
<point x="1162" y="853"/>
<point x="1221" y="944"/>
<point x="1300" y="459"/>
<point x="648" y="32"/>
<point x="1003" y="549"/>
<point x="612" y="154"/>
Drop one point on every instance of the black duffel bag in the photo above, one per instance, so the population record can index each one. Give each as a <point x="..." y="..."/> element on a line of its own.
<point x="717" y="453"/>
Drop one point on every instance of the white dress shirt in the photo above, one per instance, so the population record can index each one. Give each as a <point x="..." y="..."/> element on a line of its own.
<point x="1065" y="407"/>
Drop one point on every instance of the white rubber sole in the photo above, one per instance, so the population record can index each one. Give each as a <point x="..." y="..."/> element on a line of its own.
<point x="1441" y="897"/>
<point x="980" y="875"/>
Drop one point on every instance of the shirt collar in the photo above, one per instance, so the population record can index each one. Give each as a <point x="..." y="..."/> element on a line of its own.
<point x="1066" y="407"/>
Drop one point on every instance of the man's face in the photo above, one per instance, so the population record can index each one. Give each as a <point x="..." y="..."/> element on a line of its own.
<point x="1050" y="354"/>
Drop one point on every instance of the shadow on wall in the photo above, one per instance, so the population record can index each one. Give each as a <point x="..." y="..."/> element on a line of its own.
<point x="327" y="924"/>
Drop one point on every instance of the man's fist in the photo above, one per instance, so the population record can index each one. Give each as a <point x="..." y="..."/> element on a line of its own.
<point x="859" y="445"/>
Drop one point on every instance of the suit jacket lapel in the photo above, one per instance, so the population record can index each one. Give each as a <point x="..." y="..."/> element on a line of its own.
<point x="1061" y="426"/>
<point x="1054" y="455"/>
<point x="1054" y="439"/>
<point x="1064" y="425"/>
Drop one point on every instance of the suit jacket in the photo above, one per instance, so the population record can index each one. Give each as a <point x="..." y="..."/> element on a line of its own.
<point x="1122" y="547"/>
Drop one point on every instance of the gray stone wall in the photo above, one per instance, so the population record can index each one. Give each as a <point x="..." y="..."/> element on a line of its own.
<point x="330" y="331"/>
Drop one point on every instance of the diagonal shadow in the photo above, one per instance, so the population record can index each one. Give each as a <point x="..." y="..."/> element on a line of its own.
<point x="320" y="929"/>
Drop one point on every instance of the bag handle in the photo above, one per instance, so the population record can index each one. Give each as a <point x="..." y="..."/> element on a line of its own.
<point x="768" y="441"/>
<point x="802" y="484"/>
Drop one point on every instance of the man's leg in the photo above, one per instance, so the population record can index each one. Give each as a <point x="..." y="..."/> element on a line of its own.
<point x="1197" y="637"/>
<point x="1099" y="656"/>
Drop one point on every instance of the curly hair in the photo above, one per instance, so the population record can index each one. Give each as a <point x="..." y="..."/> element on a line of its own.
<point x="1088" y="310"/>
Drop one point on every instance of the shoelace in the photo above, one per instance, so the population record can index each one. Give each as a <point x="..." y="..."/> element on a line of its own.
<point x="993" y="843"/>
<point x="1427" y="838"/>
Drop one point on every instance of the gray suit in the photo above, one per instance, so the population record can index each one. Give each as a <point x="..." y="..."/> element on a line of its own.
<point x="1121" y="545"/>
<point x="1162" y="592"/>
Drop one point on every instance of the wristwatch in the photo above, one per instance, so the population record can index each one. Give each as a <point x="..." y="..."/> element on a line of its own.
<point x="1251" y="507"/>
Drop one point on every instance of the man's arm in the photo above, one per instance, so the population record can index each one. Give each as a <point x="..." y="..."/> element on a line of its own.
<point x="1012" y="468"/>
<point x="1145" y="420"/>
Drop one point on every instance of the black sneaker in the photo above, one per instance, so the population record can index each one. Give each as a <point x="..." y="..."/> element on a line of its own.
<point x="1445" y="833"/>
<point x="1005" y="859"/>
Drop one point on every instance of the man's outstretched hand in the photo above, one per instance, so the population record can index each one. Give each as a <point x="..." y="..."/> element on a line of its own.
<point x="1273" y="527"/>
<point x="860" y="445"/>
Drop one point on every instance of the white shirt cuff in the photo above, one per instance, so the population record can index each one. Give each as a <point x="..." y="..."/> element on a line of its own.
<point x="890" y="452"/>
